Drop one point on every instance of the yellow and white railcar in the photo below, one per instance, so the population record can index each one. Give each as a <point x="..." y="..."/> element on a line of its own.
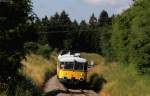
<point x="72" y="69"/>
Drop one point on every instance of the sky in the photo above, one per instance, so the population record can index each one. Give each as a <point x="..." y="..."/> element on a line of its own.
<point x="79" y="9"/>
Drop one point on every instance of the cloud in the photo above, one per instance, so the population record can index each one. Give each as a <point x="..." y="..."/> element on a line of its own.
<point x="99" y="2"/>
<point x="117" y="6"/>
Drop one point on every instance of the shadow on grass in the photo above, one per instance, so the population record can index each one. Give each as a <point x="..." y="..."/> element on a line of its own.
<point x="96" y="82"/>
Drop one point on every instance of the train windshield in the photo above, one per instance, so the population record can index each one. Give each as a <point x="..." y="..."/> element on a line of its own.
<point x="73" y="66"/>
<point x="79" y="66"/>
<point x="68" y="65"/>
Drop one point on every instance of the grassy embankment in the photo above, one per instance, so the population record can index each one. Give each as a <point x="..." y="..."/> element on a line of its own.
<point x="39" y="69"/>
<point x="117" y="79"/>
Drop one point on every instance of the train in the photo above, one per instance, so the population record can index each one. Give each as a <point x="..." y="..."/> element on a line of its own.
<point x="71" y="68"/>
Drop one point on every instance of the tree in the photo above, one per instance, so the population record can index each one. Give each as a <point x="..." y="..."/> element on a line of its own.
<point x="64" y="18"/>
<point x="104" y="41"/>
<point x="103" y="18"/>
<point x="59" y="26"/>
<point x="104" y="33"/>
<point x="86" y="40"/>
<point x="71" y="41"/>
<point x="93" y="21"/>
<point x="14" y="23"/>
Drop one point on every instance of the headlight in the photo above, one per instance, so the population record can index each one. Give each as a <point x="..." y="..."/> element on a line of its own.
<point x="81" y="79"/>
<point x="65" y="78"/>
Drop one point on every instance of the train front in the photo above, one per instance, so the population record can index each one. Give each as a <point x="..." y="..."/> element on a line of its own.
<point x="72" y="69"/>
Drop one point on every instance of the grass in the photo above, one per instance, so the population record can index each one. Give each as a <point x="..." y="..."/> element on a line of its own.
<point x="121" y="80"/>
<point x="39" y="69"/>
<point x="93" y="56"/>
<point x="125" y="81"/>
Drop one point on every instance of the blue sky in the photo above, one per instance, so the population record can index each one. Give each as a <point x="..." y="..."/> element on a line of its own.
<point x="79" y="9"/>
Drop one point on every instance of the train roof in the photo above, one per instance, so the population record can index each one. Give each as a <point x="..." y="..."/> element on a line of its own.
<point x="71" y="58"/>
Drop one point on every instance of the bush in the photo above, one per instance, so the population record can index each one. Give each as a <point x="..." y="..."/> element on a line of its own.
<point x="32" y="47"/>
<point x="44" y="50"/>
<point x="96" y="82"/>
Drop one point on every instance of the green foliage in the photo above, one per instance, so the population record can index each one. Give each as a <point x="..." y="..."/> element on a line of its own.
<point x="30" y="46"/>
<point x="86" y="37"/>
<point x="39" y="49"/>
<point x="93" y="21"/>
<point x="62" y="33"/>
<point x="13" y="31"/>
<point x="103" y="19"/>
<point x="130" y="38"/>
<point x="44" y="50"/>
<point x="105" y="41"/>
<point x="56" y="28"/>
<point x="104" y="33"/>
<point x="23" y="87"/>
<point x="96" y="82"/>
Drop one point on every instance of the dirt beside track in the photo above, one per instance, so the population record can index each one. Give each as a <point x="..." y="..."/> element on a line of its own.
<point x="54" y="88"/>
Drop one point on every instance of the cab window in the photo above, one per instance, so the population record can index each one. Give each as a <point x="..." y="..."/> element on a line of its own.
<point x="79" y="66"/>
<point x="69" y="65"/>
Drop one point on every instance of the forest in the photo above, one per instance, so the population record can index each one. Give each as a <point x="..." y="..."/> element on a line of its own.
<point x="123" y="38"/>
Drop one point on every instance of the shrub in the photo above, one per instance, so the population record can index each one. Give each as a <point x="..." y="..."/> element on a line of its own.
<point x="44" y="50"/>
<point x="32" y="47"/>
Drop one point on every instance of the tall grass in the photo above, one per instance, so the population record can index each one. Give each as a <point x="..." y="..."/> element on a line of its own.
<point x="125" y="81"/>
<point x="38" y="69"/>
<point x="121" y="80"/>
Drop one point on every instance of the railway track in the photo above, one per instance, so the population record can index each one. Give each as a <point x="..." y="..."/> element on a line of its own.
<point x="54" y="88"/>
<point x="77" y="92"/>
